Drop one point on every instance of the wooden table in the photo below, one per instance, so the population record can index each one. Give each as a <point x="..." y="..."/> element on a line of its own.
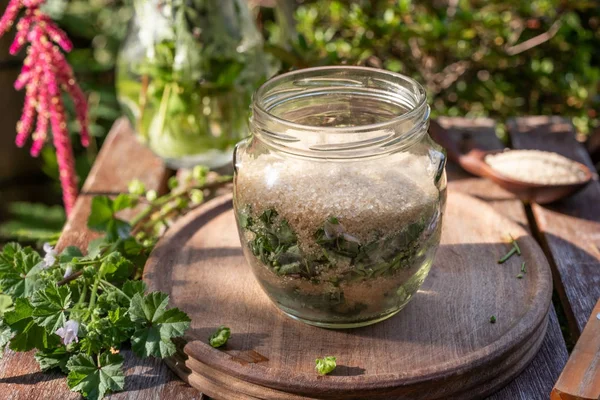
<point x="569" y="232"/>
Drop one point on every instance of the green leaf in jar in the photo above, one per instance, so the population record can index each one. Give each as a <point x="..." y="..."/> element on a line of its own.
<point x="285" y="234"/>
<point x="268" y="216"/>
<point x="292" y="268"/>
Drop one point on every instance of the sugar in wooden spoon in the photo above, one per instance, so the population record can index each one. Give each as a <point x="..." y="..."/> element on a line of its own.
<point x="532" y="175"/>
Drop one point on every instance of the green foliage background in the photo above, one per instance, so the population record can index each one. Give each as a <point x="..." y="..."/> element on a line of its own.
<point x="464" y="51"/>
<point x="468" y="53"/>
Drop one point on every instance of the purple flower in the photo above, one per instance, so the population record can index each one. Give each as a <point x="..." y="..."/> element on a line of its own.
<point x="68" y="271"/>
<point x="50" y="257"/>
<point x="68" y="332"/>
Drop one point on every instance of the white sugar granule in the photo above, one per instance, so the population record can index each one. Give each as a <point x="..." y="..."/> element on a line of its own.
<point x="535" y="166"/>
<point x="368" y="197"/>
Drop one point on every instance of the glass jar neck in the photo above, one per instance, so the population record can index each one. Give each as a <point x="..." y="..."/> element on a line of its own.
<point x="340" y="112"/>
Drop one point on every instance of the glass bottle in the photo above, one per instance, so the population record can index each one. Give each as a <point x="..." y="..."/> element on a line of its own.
<point x="185" y="76"/>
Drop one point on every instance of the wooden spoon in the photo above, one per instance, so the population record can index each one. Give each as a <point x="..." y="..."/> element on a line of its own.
<point x="473" y="162"/>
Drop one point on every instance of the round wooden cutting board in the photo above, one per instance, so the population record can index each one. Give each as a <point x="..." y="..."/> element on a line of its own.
<point x="441" y="346"/>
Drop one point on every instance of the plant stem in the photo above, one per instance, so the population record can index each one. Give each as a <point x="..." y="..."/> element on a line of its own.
<point x="107" y="283"/>
<point x="162" y="110"/>
<point x="82" y="296"/>
<point x="93" y="295"/>
<point x="515" y="245"/>
<point x="173" y="195"/>
<point x="91" y="262"/>
<point x="70" y="278"/>
<point x="507" y="256"/>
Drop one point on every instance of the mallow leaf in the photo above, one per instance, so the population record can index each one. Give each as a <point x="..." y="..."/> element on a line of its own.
<point x="5" y="335"/>
<point x="50" y="306"/>
<point x="53" y="358"/>
<point x="102" y="218"/>
<point x="93" y="380"/>
<point x="17" y="272"/>
<point x="27" y="334"/>
<point x="155" y="325"/>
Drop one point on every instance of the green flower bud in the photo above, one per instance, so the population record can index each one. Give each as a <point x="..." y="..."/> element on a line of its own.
<point x="136" y="187"/>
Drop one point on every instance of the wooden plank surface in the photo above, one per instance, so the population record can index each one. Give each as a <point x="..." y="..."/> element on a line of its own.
<point x="537" y="380"/>
<point x="580" y="380"/>
<point x="121" y="159"/>
<point x="569" y="229"/>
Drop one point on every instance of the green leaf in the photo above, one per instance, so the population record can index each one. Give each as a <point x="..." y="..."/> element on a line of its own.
<point x="5" y="335"/>
<point x="96" y="246"/>
<point x="325" y="365"/>
<point x="130" y="288"/>
<point x="117" y="268"/>
<point x="155" y="325"/>
<point x="5" y="303"/>
<point x="136" y="253"/>
<point x="93" y="380"/>
<point x="118" y="328"/>
<point x="28" y="334"/>
<point x="107" y="332"/>
<point x="101" y="213"/>
<point x="102" y="217"/>
<point x="111" y="300"/>
<point x="50" y="307"/>
<point x="16" y="275"/>
<point x="220" y="337"/>
<point x="285" y="234"/>
<point x="22" y="311"/>
<point x="53" y="358"/>
<point x="122" y="202"/>
<point x="118" y="229"/>
<point x="31" y="336"/>
<point x="69" y="253"/>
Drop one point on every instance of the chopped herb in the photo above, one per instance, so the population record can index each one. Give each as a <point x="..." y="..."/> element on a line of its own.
<point x="515" y="244"/>
<point x="493" y="319"/>
<point x="523" y="269"/>
<point x="325" y="365"/>
<point x="515" y="249"/>
<point x="520" y="276"/>
<point x="275" y="245"/>
<point x="507" y="256"/>
<point x="220" y="337"/>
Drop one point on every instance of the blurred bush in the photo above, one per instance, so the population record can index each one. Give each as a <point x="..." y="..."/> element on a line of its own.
<point x="476" y="58"/>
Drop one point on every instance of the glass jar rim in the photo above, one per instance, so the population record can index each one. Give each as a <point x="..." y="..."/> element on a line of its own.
<point x="419" y="92"/>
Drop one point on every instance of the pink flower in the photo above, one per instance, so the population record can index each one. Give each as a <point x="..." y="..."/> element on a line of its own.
<point x="68" y="332"/>
<point x="44" y="74"/>
<point x="68" y="271"/>
<point x="50" y="257"/>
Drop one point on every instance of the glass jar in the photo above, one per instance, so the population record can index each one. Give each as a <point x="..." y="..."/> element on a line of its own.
<point x="185" y="77"/>
<point x="339" y="193"/>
